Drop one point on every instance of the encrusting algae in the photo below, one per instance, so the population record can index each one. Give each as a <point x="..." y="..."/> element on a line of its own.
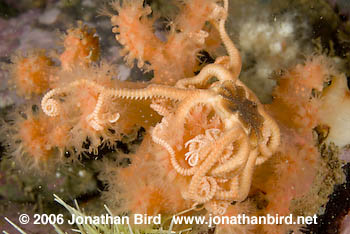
<point x="210" y="144"/>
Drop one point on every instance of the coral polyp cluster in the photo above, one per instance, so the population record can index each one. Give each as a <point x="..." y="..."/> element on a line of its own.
<point x="210" y="147"/>
<point x="81" y="47"/>
<point x="31" y="73"/>
<point x="133" y="26"/>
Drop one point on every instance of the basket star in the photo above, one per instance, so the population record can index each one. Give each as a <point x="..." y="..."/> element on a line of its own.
<point x="221" y="160"/>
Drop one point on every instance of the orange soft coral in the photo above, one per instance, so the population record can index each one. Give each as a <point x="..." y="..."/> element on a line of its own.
<point x="172" y="59"/>
<point x="294" y="93"/>
<point x="298" y="160"/>
<point x="134" y="31"/>
<point x="296" y="106"/>
<point x="34" y="143"/>
<point x="81" y="47"/>
<point x="30" y="73"/>
<point x="148" y="185"/>
<point x="33" y="132"/>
